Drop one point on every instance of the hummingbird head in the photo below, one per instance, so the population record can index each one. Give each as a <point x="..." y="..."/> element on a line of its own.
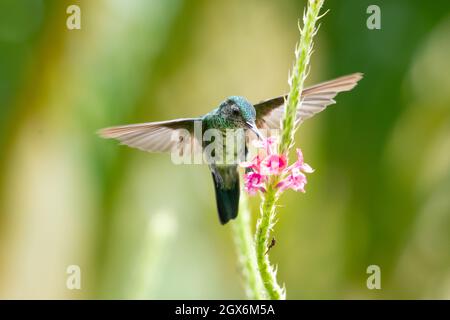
<point x="239" y="113"/>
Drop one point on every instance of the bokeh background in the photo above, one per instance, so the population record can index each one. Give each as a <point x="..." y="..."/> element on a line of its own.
<point x="140" y="227"/>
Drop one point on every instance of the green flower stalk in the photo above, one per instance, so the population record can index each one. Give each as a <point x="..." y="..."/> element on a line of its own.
<point x="267" y="219"/>
<point x="299" y="73"/>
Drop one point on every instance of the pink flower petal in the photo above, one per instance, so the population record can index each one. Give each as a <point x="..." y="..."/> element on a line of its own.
<point x="307" y="168"/>
<point x="299" y="155"/>
<point x="296" y="180"/>
<point x="274" y="164"/>
<point x="255" y="164"/>
<point x="300" y="164"/>
<point x="283" y="185"/>
<point x="254" y="182"/>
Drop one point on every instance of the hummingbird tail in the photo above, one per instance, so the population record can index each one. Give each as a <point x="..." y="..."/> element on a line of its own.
<point x="227" y="198"/>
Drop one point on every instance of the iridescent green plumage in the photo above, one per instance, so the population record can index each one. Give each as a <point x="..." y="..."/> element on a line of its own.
<point x="224" y="117"/>
<point x="233" y="113"/>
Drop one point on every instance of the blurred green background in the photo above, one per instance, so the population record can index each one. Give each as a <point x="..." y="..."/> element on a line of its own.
<point x="140" y="227"/>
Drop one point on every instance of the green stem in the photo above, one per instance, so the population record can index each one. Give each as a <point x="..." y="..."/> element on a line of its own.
<point x="263" y="230"/>
<point x="267" y="217"/>
<point x="299" y="73"/>
<point x="242" y="235"/>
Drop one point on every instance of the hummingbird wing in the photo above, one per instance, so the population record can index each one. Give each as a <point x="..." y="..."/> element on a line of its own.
<point x="315" y="99"/>
<point x="161" y="136"/>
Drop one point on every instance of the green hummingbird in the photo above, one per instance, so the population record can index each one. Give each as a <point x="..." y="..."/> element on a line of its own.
<point x="233" y="113"/>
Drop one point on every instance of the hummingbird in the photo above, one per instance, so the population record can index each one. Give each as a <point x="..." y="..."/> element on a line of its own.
<point x="234" y="113"/>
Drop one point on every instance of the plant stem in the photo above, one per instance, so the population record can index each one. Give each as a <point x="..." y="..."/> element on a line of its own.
<point x="263" y="228"/>
<point x="242" y="235"/>
<point x="299" y="73"/>
<point x="267" y="217"/>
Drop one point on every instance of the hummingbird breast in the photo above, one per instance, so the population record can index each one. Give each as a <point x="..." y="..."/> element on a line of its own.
<point x="224" y="147"/>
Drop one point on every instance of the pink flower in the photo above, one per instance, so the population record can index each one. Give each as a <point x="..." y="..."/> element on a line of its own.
<point x="255" y="164"/>
<point x="300" y="164"/>
<point x="296" y="180"/>
<point x="269" y="163"/>
<point x="254" y="182"/>
<point x="274" y="164"/>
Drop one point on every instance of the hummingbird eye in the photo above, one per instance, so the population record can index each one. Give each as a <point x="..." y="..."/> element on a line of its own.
<point x="235" y="110"/>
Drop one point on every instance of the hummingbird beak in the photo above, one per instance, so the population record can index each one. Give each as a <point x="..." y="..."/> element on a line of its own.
<point x="252" y="126"/>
